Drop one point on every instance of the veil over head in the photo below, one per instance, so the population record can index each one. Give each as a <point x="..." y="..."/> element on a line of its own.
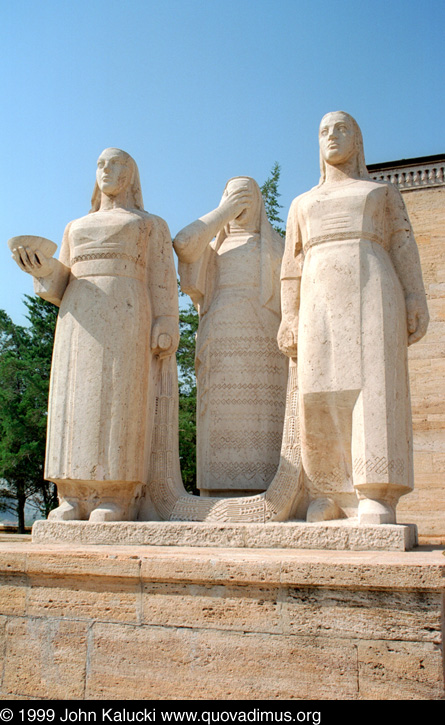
<point x="198" y="278"/>
<point x="272" y="245"/>
<point x="361" y="169"/>
<point x="134" y="192"/>
<point x="257" y="203"/>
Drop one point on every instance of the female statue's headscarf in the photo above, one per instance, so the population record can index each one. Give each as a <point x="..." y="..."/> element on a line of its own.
<point x="134" y="192"/>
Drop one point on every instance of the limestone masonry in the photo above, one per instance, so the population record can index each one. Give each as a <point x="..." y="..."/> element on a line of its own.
<point x="172" y="623"/>
<point x="422" y="183"/>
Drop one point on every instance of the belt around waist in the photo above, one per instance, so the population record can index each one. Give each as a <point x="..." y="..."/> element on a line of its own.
<point x="107" y="264"/>
<point x="342" y="237"/>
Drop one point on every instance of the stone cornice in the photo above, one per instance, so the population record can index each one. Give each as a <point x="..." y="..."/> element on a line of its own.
<point x="408" y="174"/>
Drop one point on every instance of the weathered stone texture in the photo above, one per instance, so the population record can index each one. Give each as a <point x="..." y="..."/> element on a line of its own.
<point x="210" y="664"/>
<point x="189" y="623"/>
<point x="79" y="598"/>
<point x="400" y="667"/>
<point x="252" y="609"/>
<point x="426" y="505"/>
<point x="345" y="534"/>
<point x="371" y="613"/>
<point x="45" y="658"/>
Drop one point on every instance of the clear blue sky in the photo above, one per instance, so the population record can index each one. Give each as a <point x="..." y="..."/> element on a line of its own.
<point x="198" y="91"/>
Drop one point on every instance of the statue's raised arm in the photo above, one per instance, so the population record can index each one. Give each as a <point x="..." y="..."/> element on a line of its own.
<point x="229" y="264"/>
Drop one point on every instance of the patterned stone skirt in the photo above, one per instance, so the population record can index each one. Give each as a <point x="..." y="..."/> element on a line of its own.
<point x="241" y="378"/>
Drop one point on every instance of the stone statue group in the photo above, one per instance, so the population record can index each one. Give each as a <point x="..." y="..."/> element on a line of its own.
<point x="318" y="433"/>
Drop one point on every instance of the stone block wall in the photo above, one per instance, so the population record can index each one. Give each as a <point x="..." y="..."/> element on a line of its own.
<point x="172" y="623"/>
<point x="422" y="184"/>
<point x="426" y="505"/>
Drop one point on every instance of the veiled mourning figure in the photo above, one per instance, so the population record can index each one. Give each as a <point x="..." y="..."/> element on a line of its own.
<point x="352" y="300"/>
<point x="115" y="283"/>
<point x="241" y="374"/>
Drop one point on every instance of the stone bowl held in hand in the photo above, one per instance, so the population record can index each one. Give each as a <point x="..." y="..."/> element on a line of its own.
<point x="37" y="244"/>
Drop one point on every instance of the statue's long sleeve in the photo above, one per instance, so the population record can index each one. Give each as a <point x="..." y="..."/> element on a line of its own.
<point x="162" y="275"/>
<point x="52" y="288"/>
<point x="403" y="248"/>
<point x="291" y="267"/>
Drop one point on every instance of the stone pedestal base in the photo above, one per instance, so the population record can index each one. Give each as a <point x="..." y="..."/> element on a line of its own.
<point x="172" y="623"/>
<point x="339" y="535"/>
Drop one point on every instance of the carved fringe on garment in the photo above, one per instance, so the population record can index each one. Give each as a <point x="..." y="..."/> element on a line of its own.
<point x="165" y="485"/>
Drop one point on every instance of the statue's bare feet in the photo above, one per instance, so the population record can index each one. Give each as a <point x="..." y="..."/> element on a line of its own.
<point x="323" y="509"/>
<point x="67" y="511"/>
<point x="373" y="511"/>
<point x="107" y="512"/>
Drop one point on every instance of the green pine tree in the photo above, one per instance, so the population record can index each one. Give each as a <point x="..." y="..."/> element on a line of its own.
<point x="270" y="193"/>
<point x="185" y="356"/>
<point x="25" y="362"/>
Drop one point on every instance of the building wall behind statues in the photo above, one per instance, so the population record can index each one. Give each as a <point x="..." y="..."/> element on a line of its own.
<point x="422" y="184"/>
<point x="426" y="505"/>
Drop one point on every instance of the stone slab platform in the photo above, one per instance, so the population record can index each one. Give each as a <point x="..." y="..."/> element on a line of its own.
<point x="333" y="535"/>
<point x="179" y="623"/>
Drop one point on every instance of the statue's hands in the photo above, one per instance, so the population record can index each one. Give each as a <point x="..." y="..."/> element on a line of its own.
<point x="287" y="337"/>
<point x="417" y="317"/>
<point x="164" y="336"/>
<point x="236" y="202"/>
<point x="33" y="261"/>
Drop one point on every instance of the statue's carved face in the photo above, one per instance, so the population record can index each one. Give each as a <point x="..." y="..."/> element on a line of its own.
<point x="337" y="138"/>
<point x="114" y="172"/>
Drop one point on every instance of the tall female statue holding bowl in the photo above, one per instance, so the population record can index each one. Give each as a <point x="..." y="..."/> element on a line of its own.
<point x="352" y="300"/>
<point x="229" y="264"/>
<point x="115" y="283"/>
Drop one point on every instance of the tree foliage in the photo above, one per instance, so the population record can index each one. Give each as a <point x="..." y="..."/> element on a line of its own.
<point x="270" y="193"/>
<point x="25" y="363"/>
<point x="188" y="325"/>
